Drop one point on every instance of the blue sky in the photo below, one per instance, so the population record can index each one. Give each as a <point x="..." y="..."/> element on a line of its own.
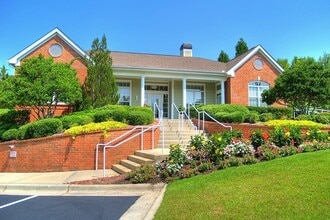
<point x="284" y="28"/>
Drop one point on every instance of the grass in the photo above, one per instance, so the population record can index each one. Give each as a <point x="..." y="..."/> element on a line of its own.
<point x="296" y="187"/>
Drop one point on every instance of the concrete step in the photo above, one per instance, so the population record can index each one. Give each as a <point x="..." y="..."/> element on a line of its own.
<point x="140" y="160"/>
<point x="121" y="169"/>
<point x="130" y="164"/>
<point x="156" y="154"/>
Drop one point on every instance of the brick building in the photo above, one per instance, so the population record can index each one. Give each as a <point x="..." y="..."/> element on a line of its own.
<point x="183" y="79"/>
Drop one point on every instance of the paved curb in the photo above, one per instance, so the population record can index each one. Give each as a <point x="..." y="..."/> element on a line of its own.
<point x="72" y="188"/>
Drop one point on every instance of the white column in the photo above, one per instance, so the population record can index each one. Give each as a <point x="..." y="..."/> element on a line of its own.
<point x="222" y="92"/>
<point x="142" y="90"/>
<point x="184" y="92"/>
<point x="172" y="99"/>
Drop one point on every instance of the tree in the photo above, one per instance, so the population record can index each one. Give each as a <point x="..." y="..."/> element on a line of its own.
<point x="284" y="63"/>
<point x="304" y="85"/>
<point x="241" y="47"/>
<point x="4" y="74"/>
<point x="40" y="84"/>
<point x="100" y="87"/>
<point x="223" y="57"/>
<point x="325" y="60"/>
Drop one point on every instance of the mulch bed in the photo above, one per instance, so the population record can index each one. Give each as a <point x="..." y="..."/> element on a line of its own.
<point x="113" y="180"/>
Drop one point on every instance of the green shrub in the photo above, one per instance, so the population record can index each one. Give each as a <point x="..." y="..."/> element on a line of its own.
<point x="41" y="128"/>
<point x="305" y="117"/>
<point x="143" y="174"/>
<point x="277" y="112"/>
<point x="19" y="117"/>
<point x="120" y="115"/>
<point x="204" y="167"/>
<point x="104" y="115"/>
<point x="252" y="117"/>
<point x="266" y="117"/>
<point x="234" y="117"/>
<point x="69" y="121"/>
<point x="323" y="118"/>
<point x="227" y="108"/>
<point x="140" y="118"/>
<point x="10" y="134"/>
<point x="103" y="126"/>
<point x="257" y="138"/>
<point x="288" y="123"/>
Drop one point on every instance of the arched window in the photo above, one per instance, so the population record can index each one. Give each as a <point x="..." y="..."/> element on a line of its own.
<point x="255" y="90"/>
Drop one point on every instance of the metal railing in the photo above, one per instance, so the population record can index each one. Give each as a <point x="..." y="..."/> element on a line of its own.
<point x="182" y="115"/>
<point x="129" y="135"/>
<point x="208" y="115"/>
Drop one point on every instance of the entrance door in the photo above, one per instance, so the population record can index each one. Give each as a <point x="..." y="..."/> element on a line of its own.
<point x="161" y="99"/>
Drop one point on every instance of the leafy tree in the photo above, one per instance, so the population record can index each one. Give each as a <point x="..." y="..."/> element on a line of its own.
<point x="325" y="60"/>
<point x="40" y="84"/>
<point x="284" y="63"/>
<point x="223" y="57"/>
<point x="241" y="47"/>
<point x="4" y="74"/>
<point x="304" y="85"/>
<point x="100" y="87"/>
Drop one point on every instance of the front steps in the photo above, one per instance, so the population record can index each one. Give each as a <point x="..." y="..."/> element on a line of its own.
<point x="175" y="132"/>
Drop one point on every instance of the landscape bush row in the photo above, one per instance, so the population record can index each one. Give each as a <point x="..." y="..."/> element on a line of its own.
<point x="232" y="113"/>
<point x="228" y="149"/>
<point x="14" y="124"/>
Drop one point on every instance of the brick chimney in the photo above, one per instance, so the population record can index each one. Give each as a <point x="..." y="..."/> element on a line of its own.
<point x="186" y="50"/>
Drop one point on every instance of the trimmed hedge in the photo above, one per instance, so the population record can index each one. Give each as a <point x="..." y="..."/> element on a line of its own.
<point x="277" y="112"/>
<point x="103" y="126"/>
<point x="69" y="121"/>
<point x="139" y="118"/>
<point x="252" y="117"/>
<point x="10" y="134"/>
<point x="266" y="117"/>
<point x="41" y="128"/>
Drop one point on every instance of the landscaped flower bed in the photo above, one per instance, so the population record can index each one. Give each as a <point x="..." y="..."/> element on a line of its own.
<point x="229" y="149"/>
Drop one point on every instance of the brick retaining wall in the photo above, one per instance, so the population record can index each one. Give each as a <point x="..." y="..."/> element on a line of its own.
<point x="63" y="153"/>
<point x="213" y="127"/>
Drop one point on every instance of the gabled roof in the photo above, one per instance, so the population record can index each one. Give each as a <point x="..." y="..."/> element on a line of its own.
<point x="237" y="62"/>
<point x="165" y="62"/>
<point x="15" y="60"/>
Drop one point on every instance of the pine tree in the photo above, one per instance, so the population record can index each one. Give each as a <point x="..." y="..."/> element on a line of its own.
<point x="241" y="47"/>
<point x="4" y="74"/>
<point x="223" y="57"/>
<point x="100" y="87"/>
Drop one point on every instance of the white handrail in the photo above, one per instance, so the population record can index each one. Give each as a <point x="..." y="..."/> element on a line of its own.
<point x="181" y="118"/>
<point x="143" y="130"/>
<point x="205" y="113"/>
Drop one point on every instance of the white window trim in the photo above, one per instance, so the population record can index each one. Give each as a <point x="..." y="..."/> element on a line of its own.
<point x="198" y="84"/>
<point x="130" y="88"/>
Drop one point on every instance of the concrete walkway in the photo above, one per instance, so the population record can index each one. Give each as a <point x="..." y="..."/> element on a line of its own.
<point x="55" y="183"/>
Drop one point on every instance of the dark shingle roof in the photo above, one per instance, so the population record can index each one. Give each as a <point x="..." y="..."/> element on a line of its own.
<point x="165" y="62"/>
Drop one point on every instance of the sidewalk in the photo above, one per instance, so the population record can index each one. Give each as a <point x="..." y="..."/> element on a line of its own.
<point x="55" y="183"/>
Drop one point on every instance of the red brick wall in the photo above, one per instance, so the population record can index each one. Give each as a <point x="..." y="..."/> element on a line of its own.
<point x="68" y="56"/>
<point x="213" y="127"/>
<point x="63" y="153"/>
<point x="237" y="87"/>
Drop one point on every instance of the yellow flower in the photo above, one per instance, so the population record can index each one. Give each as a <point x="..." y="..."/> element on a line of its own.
<point x="219" y="138"/>
<point x="314" y="141"/>
<point x="193" y="148"/>
<point x="287" y="134"/>
<point x="308" y="133"/>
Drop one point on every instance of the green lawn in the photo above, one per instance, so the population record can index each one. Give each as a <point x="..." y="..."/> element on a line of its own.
<point x="296" y="187"/>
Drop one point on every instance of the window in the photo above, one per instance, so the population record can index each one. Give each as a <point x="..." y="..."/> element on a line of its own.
<point x="195" y="94"/>
<point x="124" y="90"/>
<point x="218" y="90"/>
<point x="255" y="90"/>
